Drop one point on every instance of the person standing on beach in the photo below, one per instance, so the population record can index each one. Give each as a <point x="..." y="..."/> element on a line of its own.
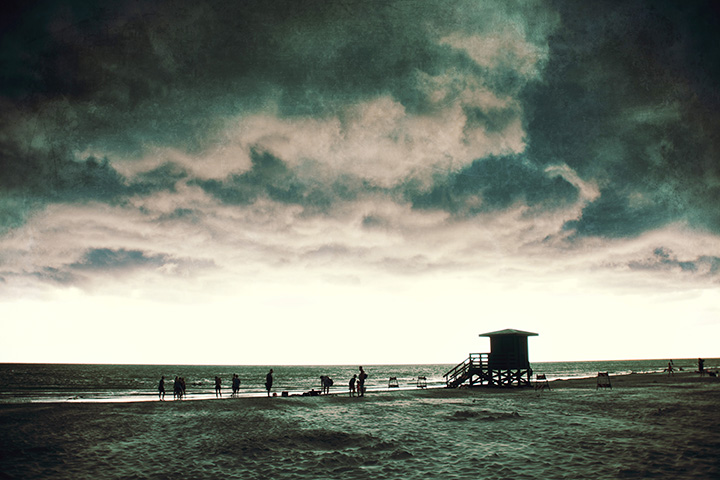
<point x="352" y="385"/>
<point x="361" y="383"/>
<point x="269" y="381"/>
<point x="701" y="366"/>
<point x="325" y="384"/>
<point x="670" y="367"/>
<point x="177" y="390"/>
<point x="235" y="384"/>
<point x="218" y="392"/>
<point x="161" y="388"/>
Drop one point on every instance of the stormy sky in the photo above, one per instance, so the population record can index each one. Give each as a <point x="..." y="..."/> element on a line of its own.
<point x="296" y="182"/>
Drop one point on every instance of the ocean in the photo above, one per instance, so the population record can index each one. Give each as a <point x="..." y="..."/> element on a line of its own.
<point x="31" y="383"/>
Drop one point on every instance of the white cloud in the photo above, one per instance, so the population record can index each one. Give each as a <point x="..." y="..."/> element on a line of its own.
<point x="501" y="49"/>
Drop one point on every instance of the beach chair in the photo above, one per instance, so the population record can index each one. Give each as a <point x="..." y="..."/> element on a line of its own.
<point x="603" y="380"/>
<point x="541" y="382"/>
<point x="393" y="382"/>
<point x="421" y="382"/>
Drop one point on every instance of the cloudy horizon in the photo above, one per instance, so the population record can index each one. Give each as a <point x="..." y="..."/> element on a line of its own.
<point x="358" y="182"/>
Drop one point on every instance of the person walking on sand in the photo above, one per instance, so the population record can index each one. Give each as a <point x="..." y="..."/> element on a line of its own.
<point x="361" y="382"/>
<point x="218" y="392"/>
<point x="701" y="366"/>
<point x="269" y="381"/>
<point x="351" y="385"/>
<point x="670" y="368"/>
<point x="161" y="388"/>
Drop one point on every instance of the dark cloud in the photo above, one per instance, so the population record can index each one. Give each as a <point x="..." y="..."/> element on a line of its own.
<point x="109" y="260"/>
<point x="614" y="214"/>
<point x="164" y="177"/>
<point x="375" y="222"/>
<point x="15" y="210"/>
<point x="168" y="72"/>
<point x="29" y="182"/>
<point x="180" y="214"/>
<point x="55" y="275"/>
<point x="492" y="120"/>
<point x="270" y="177"/>
<point x="630" y="99"/>
<point x="492" y="184"/>
<point x="488" y="184"/>
<point x="126" y="76"/>
<point x="663" y="259"/>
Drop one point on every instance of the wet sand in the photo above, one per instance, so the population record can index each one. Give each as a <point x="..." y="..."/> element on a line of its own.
<point x="647" y="425"/>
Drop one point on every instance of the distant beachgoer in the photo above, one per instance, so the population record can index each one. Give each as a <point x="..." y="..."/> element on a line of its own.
<point x="351" y="385"/>
<point x="218" y="392"/>
<point x="269" y="381"/>
<point x="326" y="382"/>
<point x="235" y="384"/>
<point x="361" y="382"/>
<point x="161" y="388"/>
<point x="177" y="389"/>
<point x="670" y="368"/>
<point x="183" y="387"/>
<point x="701" y="366"/>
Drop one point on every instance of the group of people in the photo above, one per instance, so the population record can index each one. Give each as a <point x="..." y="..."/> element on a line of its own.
<point x="235" y="386"/>
<point x="356" y="385"/>
<point x="701" y="368"/>
<point x="178" y="388"/>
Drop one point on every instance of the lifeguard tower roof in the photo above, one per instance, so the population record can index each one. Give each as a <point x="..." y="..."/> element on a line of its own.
<point x="509" y="331"/>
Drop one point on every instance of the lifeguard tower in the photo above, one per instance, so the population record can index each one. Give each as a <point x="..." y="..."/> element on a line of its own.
<point x="507" y="364"/>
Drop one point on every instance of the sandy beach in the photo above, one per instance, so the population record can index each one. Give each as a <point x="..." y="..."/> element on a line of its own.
<point x="646" y="426"/>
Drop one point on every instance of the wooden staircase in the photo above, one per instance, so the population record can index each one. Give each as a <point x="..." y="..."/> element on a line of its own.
<point x="473" y="370"/>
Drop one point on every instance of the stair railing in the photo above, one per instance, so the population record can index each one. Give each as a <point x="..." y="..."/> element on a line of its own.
<point x="474" y="362"/>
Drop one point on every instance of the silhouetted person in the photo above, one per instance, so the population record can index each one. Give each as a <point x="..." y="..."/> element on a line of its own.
<point x="325" y="384"/>
<point x="670" y="368"/>
<point x="235" y="384"/>
<point x="701" y="366"/>
<point x="351" y="385"/>
<point x="361" y="382"/>
<point x="269" y="381"/>
<point x="161" y="388"/>
<point x="177" y="390"/>
<point x="218" y="392"/>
